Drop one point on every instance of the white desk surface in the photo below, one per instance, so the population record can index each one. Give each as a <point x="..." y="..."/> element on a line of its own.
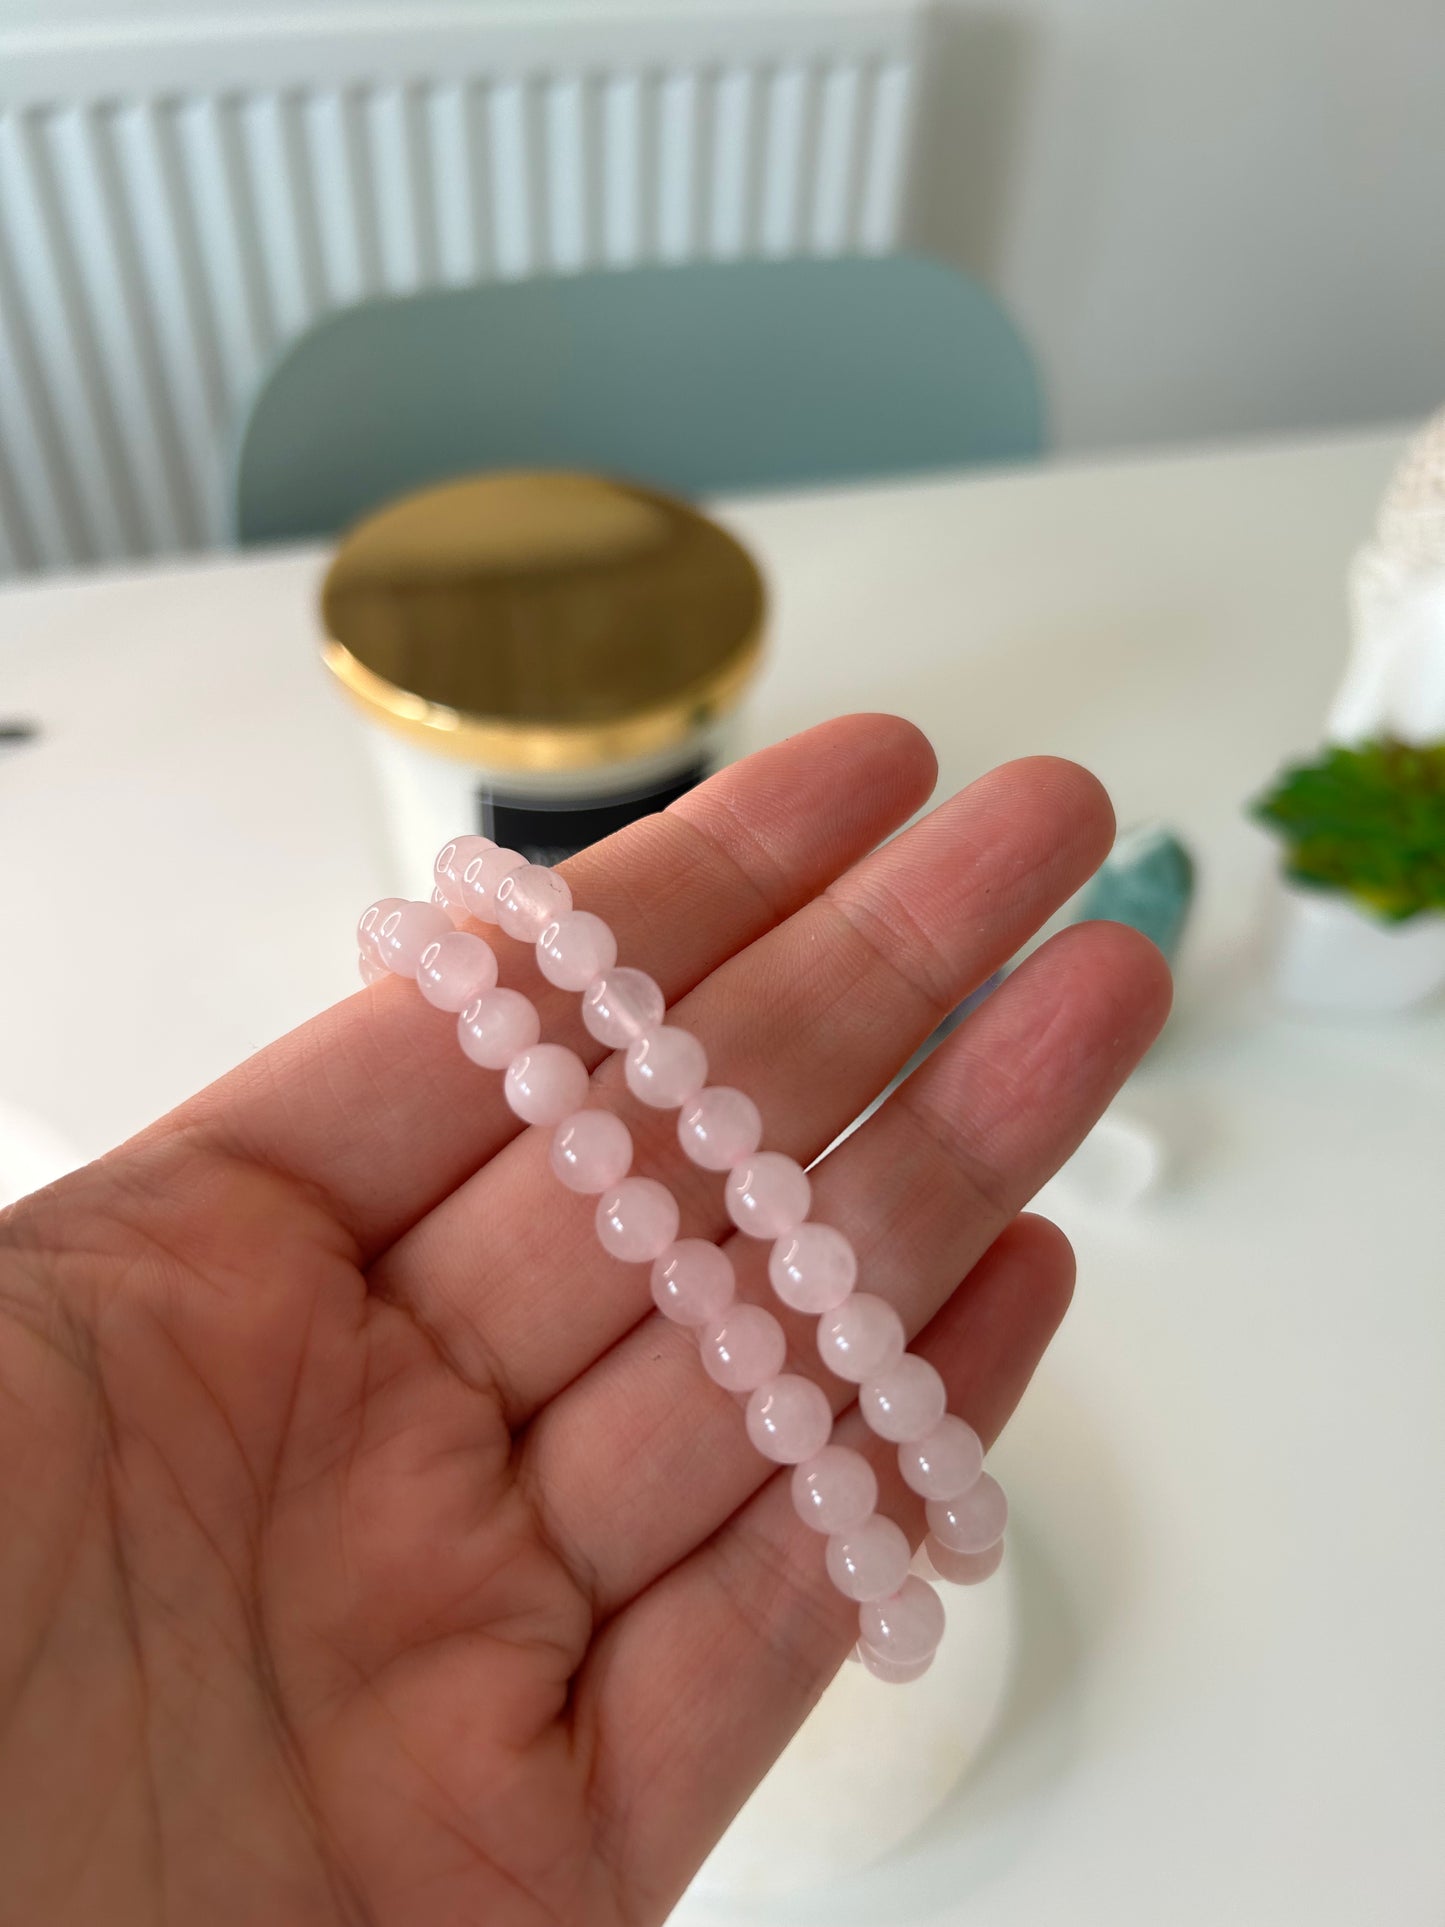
<point x="1227" y="1479"/>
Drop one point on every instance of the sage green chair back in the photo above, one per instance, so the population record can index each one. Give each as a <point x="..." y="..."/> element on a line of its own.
<point x="695" y="379"/>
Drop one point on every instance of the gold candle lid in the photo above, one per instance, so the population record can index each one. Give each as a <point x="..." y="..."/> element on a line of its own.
<point x="547" y="621"/>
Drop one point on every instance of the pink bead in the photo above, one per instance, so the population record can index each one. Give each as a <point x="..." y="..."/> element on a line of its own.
<point x="890" y="1671"/>
<point x="719" y="1126"/>
<point x="870" y="1560"/>
<point x="944" y="1462"/>
<point x="455" y="970"/>
<point x="529" y="898"/>
<point x="789" y="1419"/>
<point x="743" y="1348"/>
<point x="495" y="1026"/>
<point x="481" y="877"/>
<point x="905" y="1402"/>
<point x="861" y="1338"/>
<point x="768" y="1194"/>
<point x="835" y="1490"/>
<point x="368" y="931"/>
<point x="813" y="1269"/>
<point x="963" y="1568"/>
<point x="665" y="1067"/>
<point x="403" y="933"/>
<point x="637" y="1220"/>
<point x="905" y="1627"/>
<point x="693" y="1282"/>
<point x="621" y="1004"/>
<point x="592" y="1151"/>
<point x="452" y="860"/>
<point x="972" y="1522"/>
<point x="456" y="913"/>
<point x="574" y="948"/>
<point x="369" y="967"/>
<point x="546" y="1083"/>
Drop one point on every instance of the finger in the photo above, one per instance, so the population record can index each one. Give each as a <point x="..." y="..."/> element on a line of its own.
<point x="812" y="1021"/>
<point x="374" y="1105"/>
<point x="644" y="1457"/>
<point x="692" y="1693"/>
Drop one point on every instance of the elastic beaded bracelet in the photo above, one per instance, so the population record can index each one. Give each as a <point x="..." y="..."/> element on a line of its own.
<point x="812" y="1267"/>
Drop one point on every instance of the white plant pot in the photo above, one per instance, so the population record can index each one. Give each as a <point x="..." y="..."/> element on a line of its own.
<point x="1334" y="956"/>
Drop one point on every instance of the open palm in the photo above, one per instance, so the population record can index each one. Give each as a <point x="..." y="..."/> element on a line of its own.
<point x="369" y="1549"/>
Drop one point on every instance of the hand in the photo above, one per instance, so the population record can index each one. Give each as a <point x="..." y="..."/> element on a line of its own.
<point x="369" y="1549"/>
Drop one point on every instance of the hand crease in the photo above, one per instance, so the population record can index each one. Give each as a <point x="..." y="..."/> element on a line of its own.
<point x="889" y="940"/>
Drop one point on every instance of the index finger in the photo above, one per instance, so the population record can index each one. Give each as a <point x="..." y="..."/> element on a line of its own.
<point x="373" y="1105"/>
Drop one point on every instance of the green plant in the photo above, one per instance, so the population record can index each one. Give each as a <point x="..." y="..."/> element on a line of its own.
<point x="1369" y="821"/>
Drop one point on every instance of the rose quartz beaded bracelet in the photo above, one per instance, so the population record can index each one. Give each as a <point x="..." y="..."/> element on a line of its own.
<point x="812" y="1266"/>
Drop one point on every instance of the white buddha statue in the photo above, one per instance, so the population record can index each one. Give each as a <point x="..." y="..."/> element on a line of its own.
<point x="1395" y="683"/>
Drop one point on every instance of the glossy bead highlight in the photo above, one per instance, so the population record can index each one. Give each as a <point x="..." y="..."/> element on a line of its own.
<point x="456" y="913"/>
<point x="455" y="969"/>
<point x="665" y="1066"/>
<point x="869" y="1561"/>
<point x="813" y="1269"/>
<point x="528" y="898"/>
<point x="637" y="1220"/>
<point x="496" y="1026"/>
<point x="973" y="1522"/>
<point x="905" y="1402"/>
<point x="743" y="1348"/>
<point x="835" y="1490"/>
<point x="574" y="948"/>
<point x="789" y="1419"/>
<point x="404" y="933"/>
<point x="719" y="1126"/>
<point x="944" y="1462"/>
<point x="768" y="1194"/>
<point x="481" y="877"/>
<point x="906" y="1626"/>
<point x="452" y="860"/>
<point x="620" y="1005"/>
<point x="368" y="928"/>
<point x="591" y="1151"/>
<point x="693" y="1282"/>
<point x="861" y="1338"/>
<point x="545" y="1083"/>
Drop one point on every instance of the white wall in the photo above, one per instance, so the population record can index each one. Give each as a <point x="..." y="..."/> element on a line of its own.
<point x="1212" y="217"/>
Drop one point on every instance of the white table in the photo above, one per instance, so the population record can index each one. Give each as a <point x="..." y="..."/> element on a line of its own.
<point x="1227" y="1479"/>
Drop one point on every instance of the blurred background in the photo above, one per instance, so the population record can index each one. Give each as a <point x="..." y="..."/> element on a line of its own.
<point x="1208" y="219"/>
<point x="489" y="419"/>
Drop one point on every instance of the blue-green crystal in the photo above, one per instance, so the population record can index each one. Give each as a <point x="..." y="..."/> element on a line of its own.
<point x="1147" y="882"/>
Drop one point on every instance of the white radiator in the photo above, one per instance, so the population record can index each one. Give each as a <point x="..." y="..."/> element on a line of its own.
<point x="175" y="207"/>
